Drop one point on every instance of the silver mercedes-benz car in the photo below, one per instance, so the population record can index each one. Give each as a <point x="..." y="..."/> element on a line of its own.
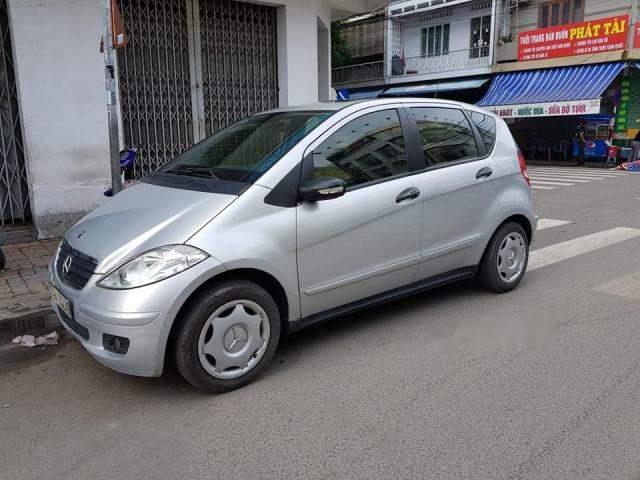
<point x="288" y="218"/>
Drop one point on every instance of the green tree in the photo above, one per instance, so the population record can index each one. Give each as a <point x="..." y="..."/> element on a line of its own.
<point x="340" y="51"/>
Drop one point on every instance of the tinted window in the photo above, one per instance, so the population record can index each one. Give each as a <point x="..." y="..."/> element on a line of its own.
<point x="486" y="125"/>
<point x="245" y="150"/>
<point x="367" y="149"/>
<point x="446" y="135"/>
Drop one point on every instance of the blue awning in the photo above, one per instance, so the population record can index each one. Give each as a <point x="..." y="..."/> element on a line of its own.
<point x="584" y="82"/>
<point x="429" y="88"/>
<point x="364" y="94"/>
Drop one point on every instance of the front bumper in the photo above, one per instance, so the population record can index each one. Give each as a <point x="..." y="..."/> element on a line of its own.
<point x="143" y="315"/>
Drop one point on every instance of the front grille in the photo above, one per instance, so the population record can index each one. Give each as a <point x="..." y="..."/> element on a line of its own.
<point x="80" y="269"/>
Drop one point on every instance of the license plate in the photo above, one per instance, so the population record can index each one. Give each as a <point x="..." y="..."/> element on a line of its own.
<point x="60" y="300"/>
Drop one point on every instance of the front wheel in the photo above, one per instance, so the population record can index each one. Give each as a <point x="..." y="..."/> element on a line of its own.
<point x="227" y="337"/>
<point x="505" y="259"/>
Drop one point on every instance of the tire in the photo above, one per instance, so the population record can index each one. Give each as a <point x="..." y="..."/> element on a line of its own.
<point x="491" y="272"/>
<point x="224" y="325"/>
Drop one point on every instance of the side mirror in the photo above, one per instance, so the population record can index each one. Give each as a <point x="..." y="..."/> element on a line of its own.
<point x="323" y="188"/>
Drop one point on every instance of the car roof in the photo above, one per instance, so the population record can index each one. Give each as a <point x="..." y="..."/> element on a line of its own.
<point x="337" y="106"/>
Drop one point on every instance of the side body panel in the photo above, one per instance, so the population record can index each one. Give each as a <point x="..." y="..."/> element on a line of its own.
<point x="510" y="185"/>
<point x="458" y="209"/>
<point x="253" y="234"/>
<point x="358" y="245"/>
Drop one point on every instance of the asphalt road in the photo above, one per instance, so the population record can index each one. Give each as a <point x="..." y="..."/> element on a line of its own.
<point x="458" y="383"/>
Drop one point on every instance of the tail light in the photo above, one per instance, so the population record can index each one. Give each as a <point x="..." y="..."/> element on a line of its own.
<point x="523" y="167"/>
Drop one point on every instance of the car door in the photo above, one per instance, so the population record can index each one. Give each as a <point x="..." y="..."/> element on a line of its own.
<point x="460" y="198"/>
<point x="367" y="241"/>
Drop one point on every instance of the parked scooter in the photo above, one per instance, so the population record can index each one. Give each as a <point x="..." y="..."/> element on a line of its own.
<point x="127" y="164"/>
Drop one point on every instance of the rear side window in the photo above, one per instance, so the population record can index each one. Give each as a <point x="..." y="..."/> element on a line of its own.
<point x="486" y="125"/>
<point x="367" y="149"/>
<point x="446" y="135"/>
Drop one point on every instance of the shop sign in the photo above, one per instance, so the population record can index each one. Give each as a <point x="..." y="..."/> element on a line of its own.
<point x="597" y="36"/>
<point x="550" y="109"/>
<point x="622" y="111"/>
<point x="636" y="36"/>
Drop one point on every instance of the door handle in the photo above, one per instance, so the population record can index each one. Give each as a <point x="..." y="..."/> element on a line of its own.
<point x="408" y="194"/>
<point x="485" y="172"/>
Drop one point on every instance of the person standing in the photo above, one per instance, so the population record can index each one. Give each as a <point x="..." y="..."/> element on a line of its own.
<point x="580" y="138"/>
<point x="635" y="148"/>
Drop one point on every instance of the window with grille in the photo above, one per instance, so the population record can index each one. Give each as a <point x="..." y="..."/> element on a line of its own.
<point x="480" y="36"/>
<point x="435" y="40"/>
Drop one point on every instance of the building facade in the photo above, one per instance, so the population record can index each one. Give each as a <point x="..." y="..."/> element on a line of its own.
<point x="565" y="64"/>
<point x="427" y="42"/>
<point x="190" y="68"/>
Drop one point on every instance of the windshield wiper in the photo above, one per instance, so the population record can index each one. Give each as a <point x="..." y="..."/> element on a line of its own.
<point x="193" y="171"/>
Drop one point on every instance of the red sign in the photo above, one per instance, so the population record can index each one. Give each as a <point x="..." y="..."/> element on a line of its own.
<point x="596" y="36"/>
<point x="636" y="36"/>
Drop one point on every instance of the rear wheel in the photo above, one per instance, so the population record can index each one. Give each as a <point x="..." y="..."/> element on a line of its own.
<point x="505" y="260"/>
<point x="228" y="336"/>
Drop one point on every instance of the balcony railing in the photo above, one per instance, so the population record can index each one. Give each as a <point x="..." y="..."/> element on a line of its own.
<point x="361" y="72"/>
<point x="421" y="65"/>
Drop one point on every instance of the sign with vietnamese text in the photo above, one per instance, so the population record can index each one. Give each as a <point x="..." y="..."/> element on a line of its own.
<point x="550" y="109"/>
<point x="596" y="36"/>
<point x="622" y="112"/>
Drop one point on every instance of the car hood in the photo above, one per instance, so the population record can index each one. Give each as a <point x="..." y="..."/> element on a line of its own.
<point x="143" y="217"/>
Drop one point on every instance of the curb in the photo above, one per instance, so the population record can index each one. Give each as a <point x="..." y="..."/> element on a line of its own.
<point x="35" y="320"/>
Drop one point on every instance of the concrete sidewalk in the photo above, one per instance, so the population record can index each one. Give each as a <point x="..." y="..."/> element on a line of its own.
<point x="24" y="291"/>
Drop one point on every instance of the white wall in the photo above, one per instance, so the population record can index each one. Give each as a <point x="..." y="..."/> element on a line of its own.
<point x="62" y="101"/>
<point x="298" y="49"/>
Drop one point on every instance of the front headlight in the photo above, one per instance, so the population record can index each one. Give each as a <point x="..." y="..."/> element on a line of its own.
<point x="153" y="266"/>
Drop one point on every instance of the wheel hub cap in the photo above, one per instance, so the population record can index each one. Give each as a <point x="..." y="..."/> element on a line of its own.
<point x="234" y="339"/>
<point x="512" y="257"/>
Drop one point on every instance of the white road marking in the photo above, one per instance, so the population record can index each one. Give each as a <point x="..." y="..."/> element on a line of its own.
<point x="566" y="177"/>
<point x="626" y="286"/>
<point x="557" y="184"/>
<point x="578" y="246"/>
<point x="538" y="187"/>
<point x="572" y="174"/>
<point x="615" y="173"/>
<point x="549" y="177"/>
<point x="544" y="223"/>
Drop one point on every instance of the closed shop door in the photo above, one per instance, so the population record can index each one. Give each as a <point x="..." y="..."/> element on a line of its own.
<point x="14" y="190"/>
<point x="191" y="68"/>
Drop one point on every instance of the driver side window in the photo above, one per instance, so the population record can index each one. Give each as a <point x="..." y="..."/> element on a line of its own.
<point x="367" y="149"/>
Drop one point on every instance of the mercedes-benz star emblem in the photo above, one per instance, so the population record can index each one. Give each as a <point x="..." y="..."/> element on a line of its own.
<point x="66" y="266"/>
<point x="235" y="339"/>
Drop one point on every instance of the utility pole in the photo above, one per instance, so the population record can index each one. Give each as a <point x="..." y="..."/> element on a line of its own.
<point x="634" y="23"/>
<point x="110" y="84"/>
<point x="493" y="38"/>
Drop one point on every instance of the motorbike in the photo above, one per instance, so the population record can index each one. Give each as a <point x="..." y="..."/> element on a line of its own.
<point x="127" y="164"/>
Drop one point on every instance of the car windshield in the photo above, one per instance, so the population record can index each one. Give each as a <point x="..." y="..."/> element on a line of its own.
<point x="244" y="151"/>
